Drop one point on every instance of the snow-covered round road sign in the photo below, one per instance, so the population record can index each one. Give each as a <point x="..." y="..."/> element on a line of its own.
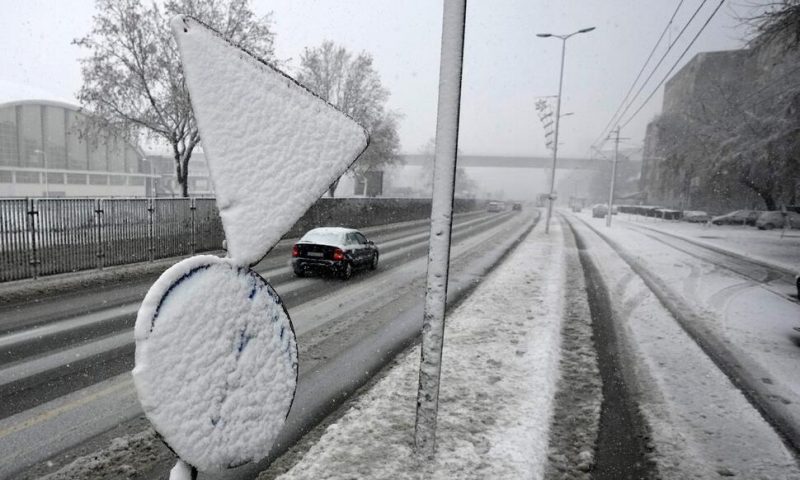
<point x="216" y="357"/>
<point x="216" y="362"/>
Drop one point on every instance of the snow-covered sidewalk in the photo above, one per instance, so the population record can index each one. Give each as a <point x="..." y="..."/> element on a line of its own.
<point x="500" y="367"/>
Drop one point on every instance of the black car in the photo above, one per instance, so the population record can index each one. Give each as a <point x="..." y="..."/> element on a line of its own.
<point x="335" y="250"/>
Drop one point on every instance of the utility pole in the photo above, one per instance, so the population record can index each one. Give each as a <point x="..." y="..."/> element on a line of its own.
<point x="613" y="179"/>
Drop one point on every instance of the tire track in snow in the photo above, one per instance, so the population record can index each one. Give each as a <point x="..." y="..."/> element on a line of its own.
<point x="770" y="400"/>
<point x="623" y="436"/>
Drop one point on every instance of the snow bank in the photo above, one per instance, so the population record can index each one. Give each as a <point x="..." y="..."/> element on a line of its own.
<point x="499" y="372"/>
<point x="216" y="362"/>
<point x="273" y="147"/>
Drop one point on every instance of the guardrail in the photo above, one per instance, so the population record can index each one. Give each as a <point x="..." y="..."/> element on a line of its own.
<point x="46" y="236"/>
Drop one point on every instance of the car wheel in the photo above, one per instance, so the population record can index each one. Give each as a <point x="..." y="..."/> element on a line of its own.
<point x="374" y="264"/>
<point x="347" y="272"/>
<point x="797" y="284"/>
<point x="300" y="272"/>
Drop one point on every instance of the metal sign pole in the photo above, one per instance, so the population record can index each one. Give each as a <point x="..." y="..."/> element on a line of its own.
<point x="444" y="172"/>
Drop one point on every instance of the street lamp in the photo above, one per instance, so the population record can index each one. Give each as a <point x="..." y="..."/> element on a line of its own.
<point x="551" y="197"/>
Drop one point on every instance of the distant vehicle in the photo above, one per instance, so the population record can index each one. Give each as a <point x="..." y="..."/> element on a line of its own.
<point x="776" y="219"/>
<point x="576" y="208"/>
<point x="494" y="207"/>
<point x="737" y="217"/>
<point x="334" y="250"/>
<point x="599" y="210"/>
<point x="516" y="207"/>
<point x="695" y="216"/>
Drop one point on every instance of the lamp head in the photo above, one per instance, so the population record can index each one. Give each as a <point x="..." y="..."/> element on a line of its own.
<point x="544" y="35"/>
<point x="584" y="30"/>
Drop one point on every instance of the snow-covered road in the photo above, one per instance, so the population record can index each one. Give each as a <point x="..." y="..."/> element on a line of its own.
<point x="702" y="423"/>
<point x="500" y="367"/>
<point x="702" y="363"/>
<point x="500" y="382"/>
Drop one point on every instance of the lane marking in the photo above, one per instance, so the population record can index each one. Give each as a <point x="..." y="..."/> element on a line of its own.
<point x="49" y="414"/>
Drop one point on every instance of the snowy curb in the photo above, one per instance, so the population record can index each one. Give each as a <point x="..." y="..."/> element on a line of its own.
<point x="501" y="363"/>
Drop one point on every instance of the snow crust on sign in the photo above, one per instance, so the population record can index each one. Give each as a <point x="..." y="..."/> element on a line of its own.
<point x="216" y="362"/>
<point x="500" y="366"/>
<point x="273" y="147"/>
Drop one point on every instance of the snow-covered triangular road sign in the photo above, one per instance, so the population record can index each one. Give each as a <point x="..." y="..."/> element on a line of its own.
<point x="273" y="147"/>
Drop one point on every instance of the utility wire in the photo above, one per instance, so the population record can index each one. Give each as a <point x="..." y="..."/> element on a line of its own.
<point x="673" y="65"/>
<point x="663" y="57"/>
<point x="641" y="71"/>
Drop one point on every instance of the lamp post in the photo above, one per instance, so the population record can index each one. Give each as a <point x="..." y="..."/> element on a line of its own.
<point x="46" y="179"/>
<point x="551" y="197"/>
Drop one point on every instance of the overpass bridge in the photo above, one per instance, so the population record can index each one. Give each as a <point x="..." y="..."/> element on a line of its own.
<point x="496" y="161"/>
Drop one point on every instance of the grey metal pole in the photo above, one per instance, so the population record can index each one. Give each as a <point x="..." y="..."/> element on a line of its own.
<point x="555" y="139"/>
<point x="444" y="174"/>
<point x="613" y="180"/>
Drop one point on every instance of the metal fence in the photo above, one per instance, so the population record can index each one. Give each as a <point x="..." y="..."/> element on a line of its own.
<point x="57" y="235"/>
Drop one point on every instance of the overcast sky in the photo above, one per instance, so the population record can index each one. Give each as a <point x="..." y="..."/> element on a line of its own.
<point x="506" y="65"/>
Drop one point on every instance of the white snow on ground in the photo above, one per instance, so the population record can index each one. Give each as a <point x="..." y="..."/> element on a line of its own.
<point x="273" y="147"/>
<point x="703" y="427"/>
<point x="500" y="367"/>
<point x="216" y="362"/>
<point x="772" y="247"/>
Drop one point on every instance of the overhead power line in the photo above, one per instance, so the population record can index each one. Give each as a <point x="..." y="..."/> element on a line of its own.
<point x="666" y="77"/>
<point x="655" y="69"/>
<point x="641" y="71"/>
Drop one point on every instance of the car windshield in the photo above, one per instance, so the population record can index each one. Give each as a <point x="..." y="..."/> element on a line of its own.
<point x="579" y="260"/>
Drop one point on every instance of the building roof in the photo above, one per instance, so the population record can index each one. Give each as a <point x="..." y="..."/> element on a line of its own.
<point x="49" y="103"/>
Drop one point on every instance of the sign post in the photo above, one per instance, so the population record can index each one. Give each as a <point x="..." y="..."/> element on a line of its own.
<point x="444" y="171"/>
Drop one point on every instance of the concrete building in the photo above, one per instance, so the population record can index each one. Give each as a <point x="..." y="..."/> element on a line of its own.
<point x="708" y="88"/>
<point x="739" y="100"/>
<point x="43" y="154"/>
<point x="704" y="89"/>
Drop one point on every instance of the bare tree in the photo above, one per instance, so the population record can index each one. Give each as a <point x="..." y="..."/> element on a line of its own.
<point x="353" y="85"/>
<point x="775" y="20"/>
<point x="132" y="79"/>
<point x="466" y="186"/>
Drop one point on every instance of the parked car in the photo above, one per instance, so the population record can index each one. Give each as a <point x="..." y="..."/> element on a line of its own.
<point x="335" y="250"/>
<point x="695" y="216"/>
<point x="494" y="207"/>
<point x="737" y="217"/>
<point x="516" y="207"/>
<point x="776" y="219"/>
<point x="599" y="210"/>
